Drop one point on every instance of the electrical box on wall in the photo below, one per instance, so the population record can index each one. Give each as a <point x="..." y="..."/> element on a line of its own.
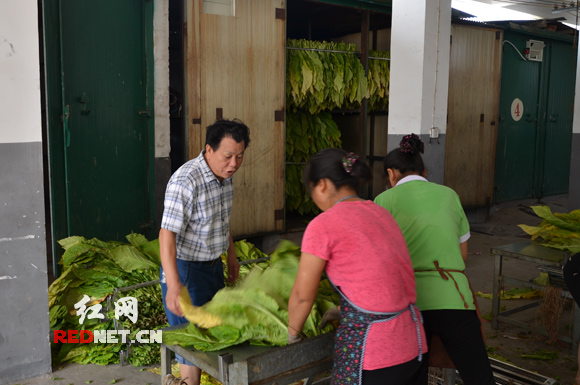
<point x="434" y="133"/>
<point x="535" y="50"/>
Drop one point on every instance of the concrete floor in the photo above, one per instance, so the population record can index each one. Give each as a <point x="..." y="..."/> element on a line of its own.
<point x="509" y="342"/>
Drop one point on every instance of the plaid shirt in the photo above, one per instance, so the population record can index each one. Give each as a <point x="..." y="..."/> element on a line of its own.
<point x="197" y="208"/>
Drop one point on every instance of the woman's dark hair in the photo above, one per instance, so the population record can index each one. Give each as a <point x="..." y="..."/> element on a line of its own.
<point x="234" y="129"/>
<point x="407" y="158"/>
<point x="342" y="168"/>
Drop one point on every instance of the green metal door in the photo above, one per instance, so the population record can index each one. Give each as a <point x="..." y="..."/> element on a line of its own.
<point x="533" y="150"/>
<point x="516" y="139"/>
<point x="102" y="142"/>
<point x="560" y="114"/>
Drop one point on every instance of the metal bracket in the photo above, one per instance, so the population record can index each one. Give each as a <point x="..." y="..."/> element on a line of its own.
<point x="280" y="13"/>
<point x="223" y="361"/>
<point x="279" y="115"/>
<point x="279" y="214"/>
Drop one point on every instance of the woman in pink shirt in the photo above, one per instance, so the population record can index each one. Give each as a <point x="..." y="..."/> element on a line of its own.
<point x="380" y="339"/>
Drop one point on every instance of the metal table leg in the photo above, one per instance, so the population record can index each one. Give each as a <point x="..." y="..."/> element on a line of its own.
<point x="496" y="291"/>
<point x="223" y="361"/>
<point x="575" y="328"/>
<point x="165" y="362"/>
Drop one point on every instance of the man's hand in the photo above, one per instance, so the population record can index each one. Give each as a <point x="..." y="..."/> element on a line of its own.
<point x="292" y="339"/>
<point x="172" y="299"/>
<point x="233" y="268"/>
<point x="331" y="315"/>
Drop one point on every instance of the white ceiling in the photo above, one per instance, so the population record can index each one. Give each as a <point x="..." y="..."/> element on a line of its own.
<point x="489" y="10"/>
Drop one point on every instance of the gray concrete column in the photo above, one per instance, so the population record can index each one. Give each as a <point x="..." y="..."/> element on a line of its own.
<point x="420" y="48"/>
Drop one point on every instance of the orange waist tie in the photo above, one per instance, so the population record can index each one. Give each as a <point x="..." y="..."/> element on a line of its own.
<point x="444" y="273"/>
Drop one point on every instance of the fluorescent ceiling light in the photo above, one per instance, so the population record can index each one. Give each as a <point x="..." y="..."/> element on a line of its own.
<point x="490" y="12"/>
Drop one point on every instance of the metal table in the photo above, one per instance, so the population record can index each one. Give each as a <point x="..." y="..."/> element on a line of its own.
<point x="531" y="252"/>
<point x="246" y="364"/>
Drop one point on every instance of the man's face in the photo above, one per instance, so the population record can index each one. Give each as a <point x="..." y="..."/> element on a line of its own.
<point x="226" y="160"/>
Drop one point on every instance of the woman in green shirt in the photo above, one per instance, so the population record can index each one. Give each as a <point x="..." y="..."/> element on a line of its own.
<point x="436" y="231"/>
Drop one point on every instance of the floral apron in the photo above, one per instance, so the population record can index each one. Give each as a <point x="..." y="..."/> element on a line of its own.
<point x="351" y="337"/>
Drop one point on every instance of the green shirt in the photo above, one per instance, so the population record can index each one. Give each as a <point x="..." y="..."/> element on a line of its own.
<point x="434" y="224"/>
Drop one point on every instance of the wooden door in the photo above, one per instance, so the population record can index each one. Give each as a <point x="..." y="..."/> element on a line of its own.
<point x="236" y="69"/>
<point x="474" y="87"/>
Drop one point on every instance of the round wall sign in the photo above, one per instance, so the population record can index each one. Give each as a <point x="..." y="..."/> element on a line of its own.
<point x="517" y="109"/>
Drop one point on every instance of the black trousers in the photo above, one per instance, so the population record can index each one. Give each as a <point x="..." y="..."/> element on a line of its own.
<point x="408" y="373"/>
<point x="572" y="277"/>
<point x="460" y="332"/>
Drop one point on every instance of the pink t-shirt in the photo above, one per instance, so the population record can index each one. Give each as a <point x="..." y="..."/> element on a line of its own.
<point x="367" y="258"/>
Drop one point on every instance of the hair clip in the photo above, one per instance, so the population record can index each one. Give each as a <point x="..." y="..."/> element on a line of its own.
<point x="348" y="161"/>
<point x="405" y="144"/>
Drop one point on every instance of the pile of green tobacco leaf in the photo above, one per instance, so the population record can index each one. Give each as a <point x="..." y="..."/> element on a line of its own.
<point x="325" y="76"/>
<point x="246" y="251"/>
<point x="323" y="80"/>
<point x="256" y="311"/>
<point x="378" y="81"/>
<point x="306" y="134"/>
<point x="557" y="230"/>
<point x="322" y="77"/>
<point x="95" y="268"/>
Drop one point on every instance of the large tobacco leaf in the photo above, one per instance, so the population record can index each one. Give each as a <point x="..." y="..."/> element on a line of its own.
<point x="557" y="230"/>
<point x="130" y="258"/>
<point x="255" y="311"/>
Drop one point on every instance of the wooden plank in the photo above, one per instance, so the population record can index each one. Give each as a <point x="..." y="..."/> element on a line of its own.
<point x="379" y="142"/>
<point x="242" y="64"/>
<point x="195" y="131"/>
<point x="473" y="111"/>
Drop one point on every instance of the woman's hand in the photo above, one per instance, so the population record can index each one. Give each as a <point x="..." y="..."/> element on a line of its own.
<point x="292" y="339"/>
<point x="331" y="315"/>
<point x="304" y="290"/>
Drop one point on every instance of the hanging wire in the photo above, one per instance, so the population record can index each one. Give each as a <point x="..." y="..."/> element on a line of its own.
<point x="335" y="51"/>
<point x="517" y="50"/>
<point x="322" y="50"/>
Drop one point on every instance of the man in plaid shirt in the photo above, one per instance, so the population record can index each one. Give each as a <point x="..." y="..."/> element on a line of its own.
<point x="195" y="229"/>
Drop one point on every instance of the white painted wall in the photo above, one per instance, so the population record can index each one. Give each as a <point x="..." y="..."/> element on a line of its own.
<point x="20" y="114"/>
<point x="161" y="54"/>
<point x="419" y="79"/>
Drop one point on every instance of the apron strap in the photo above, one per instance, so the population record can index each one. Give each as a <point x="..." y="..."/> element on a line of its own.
<point x="444" y="273"/>
<point x="414" y="310"/>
